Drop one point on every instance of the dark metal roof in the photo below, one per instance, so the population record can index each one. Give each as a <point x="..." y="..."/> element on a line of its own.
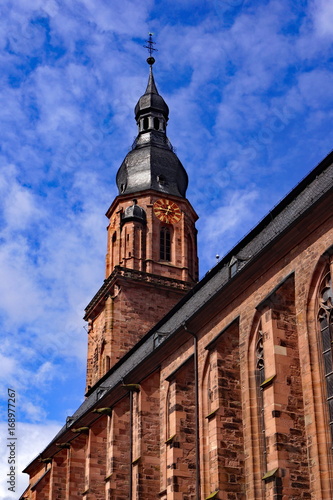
<point x="134" y="213"/>
<point x="151" y="100"/>
<point x="152" y="166"/>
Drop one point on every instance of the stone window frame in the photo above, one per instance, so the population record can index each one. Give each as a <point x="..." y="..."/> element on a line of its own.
<point x="260" y="381"/>
<point x="325" y="334"/>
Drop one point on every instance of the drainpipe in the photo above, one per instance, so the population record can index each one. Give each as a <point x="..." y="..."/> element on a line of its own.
<point x="196" y="404"/>
<point x="131" y="446"/>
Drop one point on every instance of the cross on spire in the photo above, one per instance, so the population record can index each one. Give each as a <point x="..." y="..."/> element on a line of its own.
<point x="151" y="49"/>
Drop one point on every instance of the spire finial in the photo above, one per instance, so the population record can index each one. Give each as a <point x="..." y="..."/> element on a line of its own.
<point x="151" y="49"/>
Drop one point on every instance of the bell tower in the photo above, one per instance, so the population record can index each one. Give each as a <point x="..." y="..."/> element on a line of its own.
<point x="151" y="259"/>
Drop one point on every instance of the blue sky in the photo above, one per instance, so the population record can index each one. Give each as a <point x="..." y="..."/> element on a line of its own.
<point x="250" y="91"/>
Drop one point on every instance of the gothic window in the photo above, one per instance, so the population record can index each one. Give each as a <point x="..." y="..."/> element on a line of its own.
<point x="168" y="411"/>
<point x="325" y="318"/>
<point x="260" y="378"/>
<point x="260" y="374"/>
<point x="113" y="249"/>
<point x="209" y="391"/>
<point x="165" y="244"/>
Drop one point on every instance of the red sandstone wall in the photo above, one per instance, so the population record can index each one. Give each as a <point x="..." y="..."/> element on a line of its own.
<point x="136" y="246"/>
<point x="135" y="309"/>
<point x="298" y="462"/>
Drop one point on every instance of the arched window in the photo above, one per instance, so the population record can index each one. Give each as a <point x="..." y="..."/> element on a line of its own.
<point x="168" y="412"/>
<point x="325" y="318"/>
<point x="156" y="123"/>
<point x="260" y="378"/>
<point x="165" y="244"/>
<point x="260" y="368"/>
<point x="209" y="390"/>
<point x="145" y="123"/>
<point x="113" y="249"/>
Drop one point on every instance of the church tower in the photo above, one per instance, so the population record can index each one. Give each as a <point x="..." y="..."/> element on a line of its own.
<point x="151" y="259"/>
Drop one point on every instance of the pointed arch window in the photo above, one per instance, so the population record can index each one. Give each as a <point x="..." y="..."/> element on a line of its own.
<point x="165" y="244"/>
<point x="260" y="374"/>
<point x="325" y="319"/>
<point x="168" y="412"/>
<point x="260" y="378"/>
<point x="113" y="249"/>
<point x="209" y="390"/>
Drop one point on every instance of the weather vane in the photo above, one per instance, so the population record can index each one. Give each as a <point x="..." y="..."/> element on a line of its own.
<point x="151" y="49"/>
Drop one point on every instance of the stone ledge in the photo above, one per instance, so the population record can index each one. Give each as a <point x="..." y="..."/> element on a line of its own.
<point x="138" y="276"/>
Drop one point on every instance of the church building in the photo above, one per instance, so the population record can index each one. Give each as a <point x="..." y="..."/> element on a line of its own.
<point x="217" y="389"/>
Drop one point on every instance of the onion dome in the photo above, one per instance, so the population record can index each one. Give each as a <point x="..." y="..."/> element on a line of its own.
<point x="134" y="213"/>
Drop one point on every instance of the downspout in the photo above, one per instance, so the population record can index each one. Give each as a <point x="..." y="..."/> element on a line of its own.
<point x="131" y="446"/>
<point x="196" y="414"/>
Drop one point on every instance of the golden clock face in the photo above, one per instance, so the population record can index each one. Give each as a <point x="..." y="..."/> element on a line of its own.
<point x="167" y="211"/>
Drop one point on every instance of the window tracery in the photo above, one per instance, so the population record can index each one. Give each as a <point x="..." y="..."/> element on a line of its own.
<point x="325" y="318"/>
<point x="260" y="378"/>
<point x="260" y="358"/>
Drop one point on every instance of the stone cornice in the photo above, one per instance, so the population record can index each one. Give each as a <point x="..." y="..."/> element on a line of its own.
<point x="138" y="276"/>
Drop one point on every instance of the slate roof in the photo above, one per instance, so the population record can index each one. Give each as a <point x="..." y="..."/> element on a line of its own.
<point x="151" y="100"/>
<point x="152" y="166"/>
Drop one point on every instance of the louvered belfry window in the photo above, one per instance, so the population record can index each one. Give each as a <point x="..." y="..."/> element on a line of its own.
<point x="325" y="318"/>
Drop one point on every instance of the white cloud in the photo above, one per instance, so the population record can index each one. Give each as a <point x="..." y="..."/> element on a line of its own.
<point x="316" y="88"/>
<point x="218" y="227"/>
<point x="8" y="369"/>
<point x="33" y="413"/>
<point x="322" y="12"/>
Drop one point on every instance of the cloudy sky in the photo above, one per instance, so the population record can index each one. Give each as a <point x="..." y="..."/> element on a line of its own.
<point x="250" y="91"/>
